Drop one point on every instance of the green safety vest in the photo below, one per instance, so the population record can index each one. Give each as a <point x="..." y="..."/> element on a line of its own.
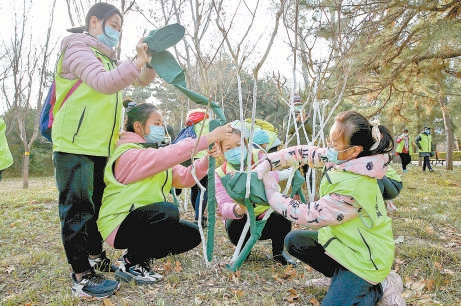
<point x="119" y="199"/>
<point x="89" y="121"/>
<point x="6" y="159"/>
<point x="425" y="143"/>
<point x="258" y="209"/>
<point x="364" y="245"/>
<point x="399" y="147"/>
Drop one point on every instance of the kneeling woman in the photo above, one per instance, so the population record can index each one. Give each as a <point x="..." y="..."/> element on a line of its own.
<point x="135" y="214"/>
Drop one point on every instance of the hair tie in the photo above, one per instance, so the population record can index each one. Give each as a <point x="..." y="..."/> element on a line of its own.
<point x="376" y="134"/>
<point x="130" y="106"/>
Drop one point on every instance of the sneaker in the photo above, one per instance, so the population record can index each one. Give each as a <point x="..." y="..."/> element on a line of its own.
<point x="392" y="291"/>
<point x="94" y="285"/>
<point x="390" y="206"/>
<point x="323" y="281"/>
<point x="405" y="171"/>
<point x="141" y="274"/>
<point x="285" y="259"/>
<point x="102" y="263"/>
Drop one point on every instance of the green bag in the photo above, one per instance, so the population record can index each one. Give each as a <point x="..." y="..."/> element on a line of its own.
<point x="236" y="188"/>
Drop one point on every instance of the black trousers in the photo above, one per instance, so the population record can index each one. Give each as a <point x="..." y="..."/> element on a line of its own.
<point x="155" y="231"/>
<point x="427" y="163"/>
<point x="405" y="158"/>
<point x="195" y="192"/>
<point x="80" y="182"/>
<point x="276" y="229"/>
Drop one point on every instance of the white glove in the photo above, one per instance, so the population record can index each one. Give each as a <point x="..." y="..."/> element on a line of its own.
<point x="285" y="174"/>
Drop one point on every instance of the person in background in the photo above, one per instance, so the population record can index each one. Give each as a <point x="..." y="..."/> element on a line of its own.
<point x="200" y="119"/>
<point x="404" y="149"/>
<point x="424" y="143"/>
<point x="260" y="139"/>
<point x="135" y="214"/>
<point x="6" y="159"/>
<point x="84" y="134"/>
<point x="234" y="214"/>
<point x="351" y="240"/>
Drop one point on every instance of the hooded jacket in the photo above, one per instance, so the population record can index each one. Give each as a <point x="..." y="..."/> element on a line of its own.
<point x="90" y="119"/>
<point x="136" y="176"/>
<point x="354" y="228"/>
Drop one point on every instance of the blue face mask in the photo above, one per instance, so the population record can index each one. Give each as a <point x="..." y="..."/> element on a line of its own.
<point x="427" y="132"/>
<point x="233" y="155"/>
<point x="156" y="134"/>
<point x="332" y="155"/>
<point x="110" y="38"/>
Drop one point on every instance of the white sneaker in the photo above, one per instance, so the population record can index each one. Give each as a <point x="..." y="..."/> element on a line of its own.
<point x="393" y="288"/>
<point x="319" y="282"/>
<point x="141" y="274"/>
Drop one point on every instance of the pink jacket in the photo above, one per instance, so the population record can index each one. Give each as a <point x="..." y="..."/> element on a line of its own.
<point x="225" y="202"/>
<point x="137" y="164"/>
<point x="79" y="61"/>
<point x="332" y="208"/>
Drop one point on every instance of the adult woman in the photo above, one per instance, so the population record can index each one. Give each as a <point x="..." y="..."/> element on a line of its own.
<point x="234" y="214"/>
<point x="135" y="214"/>
<point x="353" y="245"/>
<point x="84" y="133"/>
<point x="404" y="148"/>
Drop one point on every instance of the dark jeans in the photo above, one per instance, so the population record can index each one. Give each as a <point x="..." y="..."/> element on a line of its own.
<point x="390" y="189"/>
<point x="276" y="229"/>
<point x="346" y="288"/>
<point x="427" y="163"/>
<point x="405" y="158"/>
<point x="155" y="231"/>
<point x="195" y="192"/>
<point x="79" y="179"/>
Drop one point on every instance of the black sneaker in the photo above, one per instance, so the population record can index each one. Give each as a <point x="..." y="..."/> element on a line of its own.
<point x="94" y="285"/>
<point x="102" y="263"/>
<point x="141" y="274"/>
<point x="285" y="259"/>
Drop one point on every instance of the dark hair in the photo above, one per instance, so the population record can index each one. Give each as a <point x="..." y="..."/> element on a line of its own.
<point x="359" y="131"/>
<point x="405" y="130"/>
<point x="234" y="131"/>
<point x="138" y="113"/>
<point x="102" y="11"/>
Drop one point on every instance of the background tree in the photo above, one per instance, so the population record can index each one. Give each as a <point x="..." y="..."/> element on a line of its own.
<point x="24" y="78"/>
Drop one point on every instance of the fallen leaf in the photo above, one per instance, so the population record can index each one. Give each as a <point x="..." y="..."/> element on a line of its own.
<point x="314" y="302"/>
<point x="178" y="268"/>
<point x="107" y="302"/>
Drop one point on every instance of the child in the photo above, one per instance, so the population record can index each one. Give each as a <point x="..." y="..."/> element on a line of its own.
<point x="234" y="214"/>
<point x="354" y="244"/>
<point x="85" y="130"/>
<point x="135" y="214"/>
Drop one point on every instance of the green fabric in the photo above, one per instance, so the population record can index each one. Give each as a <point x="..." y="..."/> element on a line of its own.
<point x="164" y="38"/>
<point x="211" y="207"/>
<point x="256" y="228"/>
<point x="168" y="69"/>
<point x="82" y="126"/>
<point x="235" y="185"/>
<point x="119" y="199"/>
<point x="363" y="245"/>
<point x="6" y="159"/>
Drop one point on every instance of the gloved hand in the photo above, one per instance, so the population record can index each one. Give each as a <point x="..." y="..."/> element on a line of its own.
<point x="263" y="167"/>
<point x="285" y="174"/>
<point x="271" y="184"/>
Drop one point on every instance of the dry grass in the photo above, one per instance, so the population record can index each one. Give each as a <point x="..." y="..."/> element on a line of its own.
<point x="33" y="268"/>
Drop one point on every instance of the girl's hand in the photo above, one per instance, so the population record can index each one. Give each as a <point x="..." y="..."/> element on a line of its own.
<point x="219" y="134"/>
<point x="239" y="209"/>
<point x="142" y="56"/>
<point x="214" y="151"/>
